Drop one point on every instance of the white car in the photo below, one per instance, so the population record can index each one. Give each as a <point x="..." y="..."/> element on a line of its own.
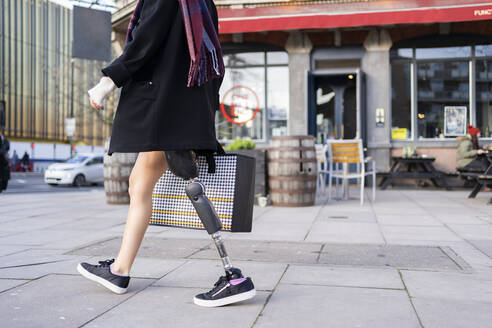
<point x="77" y="171"/>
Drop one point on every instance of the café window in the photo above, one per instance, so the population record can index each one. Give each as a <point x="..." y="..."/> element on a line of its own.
<point x="401" y="101"/>
<point x="254" y="96"/>
<point x="432" y="94"/>
<point x="484" y="89"/>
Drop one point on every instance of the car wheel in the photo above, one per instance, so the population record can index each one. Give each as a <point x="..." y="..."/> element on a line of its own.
<point x="79" y="180"/>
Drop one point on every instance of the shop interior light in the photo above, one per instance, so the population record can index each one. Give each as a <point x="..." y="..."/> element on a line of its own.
<point x="421" y="116"/>
<point x="351" y="77"/>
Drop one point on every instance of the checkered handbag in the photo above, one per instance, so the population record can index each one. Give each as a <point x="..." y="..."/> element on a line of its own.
<point x="230" y="189"/>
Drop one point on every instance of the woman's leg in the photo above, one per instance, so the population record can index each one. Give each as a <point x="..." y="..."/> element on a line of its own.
<point x="148" y="168"/>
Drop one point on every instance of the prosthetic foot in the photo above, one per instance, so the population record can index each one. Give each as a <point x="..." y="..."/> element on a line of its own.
<point x="232" y="287"/>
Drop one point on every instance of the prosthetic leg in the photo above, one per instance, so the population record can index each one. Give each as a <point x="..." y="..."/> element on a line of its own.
<point x="233" y="287"/>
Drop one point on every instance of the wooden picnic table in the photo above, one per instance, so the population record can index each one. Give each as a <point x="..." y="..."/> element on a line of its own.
<point x="481" y="178"/>
<point x="416" y="167"/>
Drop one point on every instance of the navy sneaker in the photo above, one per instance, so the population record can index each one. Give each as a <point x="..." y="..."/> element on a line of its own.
<point x="229" y="289"/>
<point x="102" y="274"/>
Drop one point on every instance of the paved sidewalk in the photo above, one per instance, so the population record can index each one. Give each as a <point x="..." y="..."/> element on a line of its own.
<point x="412" y="259"/>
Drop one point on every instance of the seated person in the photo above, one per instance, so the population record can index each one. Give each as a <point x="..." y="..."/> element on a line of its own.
<point x="469" y="156"/>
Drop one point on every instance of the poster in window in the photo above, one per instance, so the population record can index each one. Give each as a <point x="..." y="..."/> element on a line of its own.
<point x="454" y="121"/>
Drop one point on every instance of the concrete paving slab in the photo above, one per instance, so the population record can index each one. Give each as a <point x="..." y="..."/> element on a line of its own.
<point x="408" y="220"/>
<point x="162" y="248"/>
<point x="80" y="239"/>
<point x="349" y="214"/>
<point x="345" y="232"/>
<point x="396" y="256"/>
<point x="473" y="232"/>
<point x="204" y="273"/>
<point x="459" y="218"/>
<point x="472" y="255"/>
<point x="437" y="313"/>
<point x="177" y="233"/>
<point x="340" y="276"/>
<point x="6" y="284"/>
<point x="289" y="215"/>
<point x="449" y="286"/>
<point x="60" y="301"/>
<point x="8" y="233"/>
<point x="409" y="233"/>
<point x="66" y="265"/>
<point x="322" y="306"/>
<point x="265" y="251"/>
<point x="485" y="246"/>
<point x="49" y="237"/>
<point x="260" y="211"/>
<point x="343" y="265"/>
<point x="89" y="223"/>
<point x="11" y="249"/>
<point x="30" y="224"/>
<point x="31" y="256"/>
<point x="274" y="231"/>
<point x="152" y="231"/>
<point x="173" y="307"/>
<point x="447" y="209"/>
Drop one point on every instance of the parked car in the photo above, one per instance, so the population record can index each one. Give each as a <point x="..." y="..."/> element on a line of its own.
<point x="77" y="171"/>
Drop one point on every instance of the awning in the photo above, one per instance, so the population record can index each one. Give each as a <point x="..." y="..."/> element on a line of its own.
<point x="337" y="15"/>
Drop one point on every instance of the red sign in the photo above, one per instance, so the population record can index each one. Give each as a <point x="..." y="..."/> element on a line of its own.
<point x="243" y="105"/>
<point x="350" y="14"/>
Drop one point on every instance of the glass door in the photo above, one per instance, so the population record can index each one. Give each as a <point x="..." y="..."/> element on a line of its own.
<point x="335" y="106"/>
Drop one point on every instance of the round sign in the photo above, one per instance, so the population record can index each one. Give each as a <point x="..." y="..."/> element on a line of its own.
<point x="243" y="105"/>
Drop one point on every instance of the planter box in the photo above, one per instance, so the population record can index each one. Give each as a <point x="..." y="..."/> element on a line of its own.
<point x="260" y="179"/>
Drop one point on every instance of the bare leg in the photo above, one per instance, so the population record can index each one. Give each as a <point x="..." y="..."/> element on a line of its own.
<point x="148" y="168"/>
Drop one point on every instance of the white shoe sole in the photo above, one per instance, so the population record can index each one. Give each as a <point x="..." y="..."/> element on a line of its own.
<point x="101" y="281"/>
<point x="227" y="300"/>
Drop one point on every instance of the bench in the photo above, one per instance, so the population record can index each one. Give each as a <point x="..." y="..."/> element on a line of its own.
<point x="479" y="179"/>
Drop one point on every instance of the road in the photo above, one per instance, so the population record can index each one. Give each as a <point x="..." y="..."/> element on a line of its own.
<point x="21" y="182"/>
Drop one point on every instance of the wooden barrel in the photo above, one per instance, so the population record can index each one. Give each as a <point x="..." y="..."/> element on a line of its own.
<point x="117" y="169"/>
<point x="292" y="171"/>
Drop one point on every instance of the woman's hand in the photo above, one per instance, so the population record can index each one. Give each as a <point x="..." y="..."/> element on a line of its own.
<point x="480" y="151"/>
<point x="94" y="105"/>
<point x="100" y="92"/>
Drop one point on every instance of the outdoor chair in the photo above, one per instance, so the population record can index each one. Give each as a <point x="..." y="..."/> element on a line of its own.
<point x="344" y="152"/>
<point x="323" y="171"/>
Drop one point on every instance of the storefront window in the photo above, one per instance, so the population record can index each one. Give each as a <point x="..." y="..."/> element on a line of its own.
<point x="436" y="83"/>
<point x="245" y="59"/>
<point x="242" y="104"/>
<point x="401" y="103"/>
<point x="440" y="84"/>
<point x="277" y="58"/>
<point x="483" y="51"/>
<point x="254" y="96"/>
<point x="448" y="52"/>
<point x="484" y="97"/>
<point x="278" y="100"/>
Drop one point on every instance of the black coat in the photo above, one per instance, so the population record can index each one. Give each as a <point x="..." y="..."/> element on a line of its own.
<point x="157" y="111"/>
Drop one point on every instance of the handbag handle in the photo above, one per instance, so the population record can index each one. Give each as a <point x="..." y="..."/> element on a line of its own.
<point x="220" y="150"/>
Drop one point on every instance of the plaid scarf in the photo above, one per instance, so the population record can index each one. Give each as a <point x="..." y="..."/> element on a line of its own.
<point x="203" y="42"/>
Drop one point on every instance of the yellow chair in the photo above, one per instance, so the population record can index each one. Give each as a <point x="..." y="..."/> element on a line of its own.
<point x="345" y="152"/>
